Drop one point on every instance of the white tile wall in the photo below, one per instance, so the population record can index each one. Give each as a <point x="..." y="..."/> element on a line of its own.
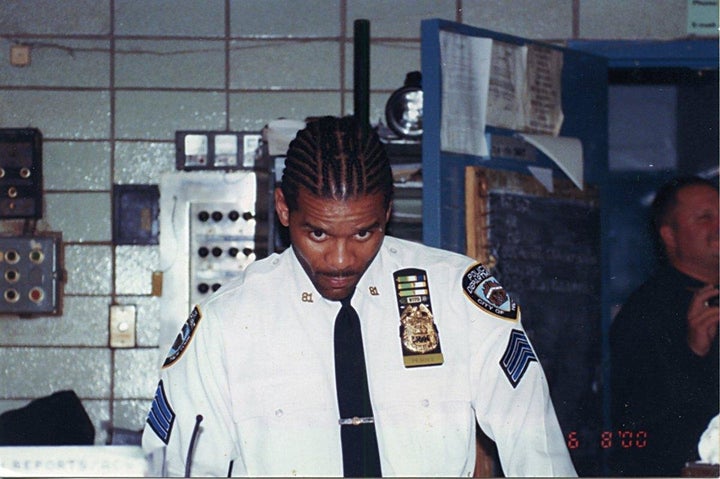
<point x="539" y="19"/>
<point x="142" y="162"/>
<point x="49" y="17"/>
<point x="389" y="62"/>
<point x="170" y="64"/>
<point x="170" y="18"/>
<point x="82" y="217"/>
<point x="41" y="371"/>
<point x="279" y="18"/>
<point x="86" y="314"/>
<point x="398" y="18"/>
<point x="72" y="165"/>
<point x="284" y="65"/>
<point x="63" y="63"/>
<point x="632" y="19"/>
<point x="88" y="270"/>
<point x="134" y="266"/>
<point x="158" y="114"/>
<point x="110" y="82"/>
<point x="63" y="114"/>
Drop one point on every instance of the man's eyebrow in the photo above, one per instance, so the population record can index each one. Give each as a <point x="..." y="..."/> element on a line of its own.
<point x="373" y="226"/>
<point x="309" y="226"/>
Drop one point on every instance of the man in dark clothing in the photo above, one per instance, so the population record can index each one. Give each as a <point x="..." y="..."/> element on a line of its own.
<point x="664" y="341"/>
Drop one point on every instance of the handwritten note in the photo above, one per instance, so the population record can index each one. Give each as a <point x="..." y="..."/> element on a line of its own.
<point x="544" y="74"/>
<point x="465" y="78"/>
<point x="506" y="94"/>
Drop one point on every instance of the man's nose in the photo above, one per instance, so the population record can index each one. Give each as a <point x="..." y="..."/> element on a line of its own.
<point x="340" y="256"/>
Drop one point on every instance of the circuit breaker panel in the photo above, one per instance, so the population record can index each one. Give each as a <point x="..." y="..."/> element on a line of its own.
<point x="20" y="173"/>
<point x="222" y="242"/>
<point x="212" y="225"/>
<point x="30" y="274"/>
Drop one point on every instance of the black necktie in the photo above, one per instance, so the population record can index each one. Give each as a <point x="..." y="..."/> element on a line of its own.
<point x="359" y="444"/>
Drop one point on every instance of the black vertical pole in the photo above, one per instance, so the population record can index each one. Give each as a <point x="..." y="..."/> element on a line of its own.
<point x="361" y="72"/>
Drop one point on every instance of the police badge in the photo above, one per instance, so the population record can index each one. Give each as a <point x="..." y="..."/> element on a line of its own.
<point x="418" y="333"/>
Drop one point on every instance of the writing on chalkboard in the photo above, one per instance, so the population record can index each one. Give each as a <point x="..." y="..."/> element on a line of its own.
<point x="544" y="244"/>
<point x="544" y="247"/>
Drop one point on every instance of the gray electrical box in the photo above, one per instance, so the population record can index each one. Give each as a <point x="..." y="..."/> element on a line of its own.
<point x="30" y="274"/>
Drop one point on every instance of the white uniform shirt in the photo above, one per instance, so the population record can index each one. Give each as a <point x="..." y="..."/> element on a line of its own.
<point x="259" y="367"/>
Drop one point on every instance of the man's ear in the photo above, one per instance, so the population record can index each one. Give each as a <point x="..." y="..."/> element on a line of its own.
<point x="667" y="235"/>
<point x="388" y="213"/>
<point x="281" y="208"/>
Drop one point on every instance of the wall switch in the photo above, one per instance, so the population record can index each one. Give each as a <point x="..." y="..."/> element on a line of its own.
<point x="20" y="55"/>
<point x="122" y="326"/>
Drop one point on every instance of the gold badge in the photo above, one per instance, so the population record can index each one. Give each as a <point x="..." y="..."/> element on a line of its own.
<point x="418" y="333"/>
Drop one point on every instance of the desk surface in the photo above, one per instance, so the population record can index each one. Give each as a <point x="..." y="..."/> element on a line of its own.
<point x="72" y="461"/>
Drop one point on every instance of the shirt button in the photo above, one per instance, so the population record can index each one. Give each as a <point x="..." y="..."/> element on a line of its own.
<point x="425" y="403"/>
<point x="278" y="412"/>
<point x="393" y="250"/>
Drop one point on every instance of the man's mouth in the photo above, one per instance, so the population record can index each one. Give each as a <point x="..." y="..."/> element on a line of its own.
<point x="339" y="280"/>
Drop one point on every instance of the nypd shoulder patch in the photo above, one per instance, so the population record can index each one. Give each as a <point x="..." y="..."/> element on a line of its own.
<point x="161" y="416"/>
<point x="183" y="338"/>
<point x="485" y="291"/>
<point x="518" y="356"/>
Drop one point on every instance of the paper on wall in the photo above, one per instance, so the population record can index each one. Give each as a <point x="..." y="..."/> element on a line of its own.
<point x="544" y="176"/>
<point x="465" y="64"/>
<point x="566" y="152"/>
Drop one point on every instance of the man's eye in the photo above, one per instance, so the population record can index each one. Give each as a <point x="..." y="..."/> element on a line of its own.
<point x="362" y="234"/>
<point x="705" y="218"/>
<point x="317" y="234"/>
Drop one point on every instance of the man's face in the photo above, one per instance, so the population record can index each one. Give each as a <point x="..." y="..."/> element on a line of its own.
<point x="691" y="237"/>
<point x="335" y="241"/>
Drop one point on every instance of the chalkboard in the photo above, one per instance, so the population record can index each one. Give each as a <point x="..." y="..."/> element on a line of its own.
<point x="544" y="248"/>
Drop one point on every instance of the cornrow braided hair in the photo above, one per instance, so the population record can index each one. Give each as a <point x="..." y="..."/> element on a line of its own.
<point x="336" y="158"/>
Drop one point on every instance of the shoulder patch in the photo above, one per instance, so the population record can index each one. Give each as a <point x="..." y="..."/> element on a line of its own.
<point x="183" y="338"/>
<point x="518" y="356"/>
<point x="161" y="416"/>
<point x="486" y="292"/>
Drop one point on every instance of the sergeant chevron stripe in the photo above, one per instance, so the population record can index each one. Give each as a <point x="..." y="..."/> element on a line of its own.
<point x="518" y="355"/>
<point x="161" y="416"/>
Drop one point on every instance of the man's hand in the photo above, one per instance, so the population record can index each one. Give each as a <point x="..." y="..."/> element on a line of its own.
<point x="703" y="319"/>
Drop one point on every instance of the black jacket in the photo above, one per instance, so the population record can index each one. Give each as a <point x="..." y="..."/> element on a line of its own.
<point x="658" y="384"/>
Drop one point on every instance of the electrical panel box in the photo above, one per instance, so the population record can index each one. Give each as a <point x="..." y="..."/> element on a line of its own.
<point x="135" y="214"/>
<point x="222" y="242"/>
<point x="31" y="274"/>
<point x="216" y="150"/>
<point x="20" y="173"/>
<point x="212" y="225"/>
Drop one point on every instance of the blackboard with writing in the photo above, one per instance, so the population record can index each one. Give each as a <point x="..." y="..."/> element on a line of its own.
<point x="544" y="248"/>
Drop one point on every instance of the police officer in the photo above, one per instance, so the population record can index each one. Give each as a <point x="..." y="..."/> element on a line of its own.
<point x="262" y="380"/>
